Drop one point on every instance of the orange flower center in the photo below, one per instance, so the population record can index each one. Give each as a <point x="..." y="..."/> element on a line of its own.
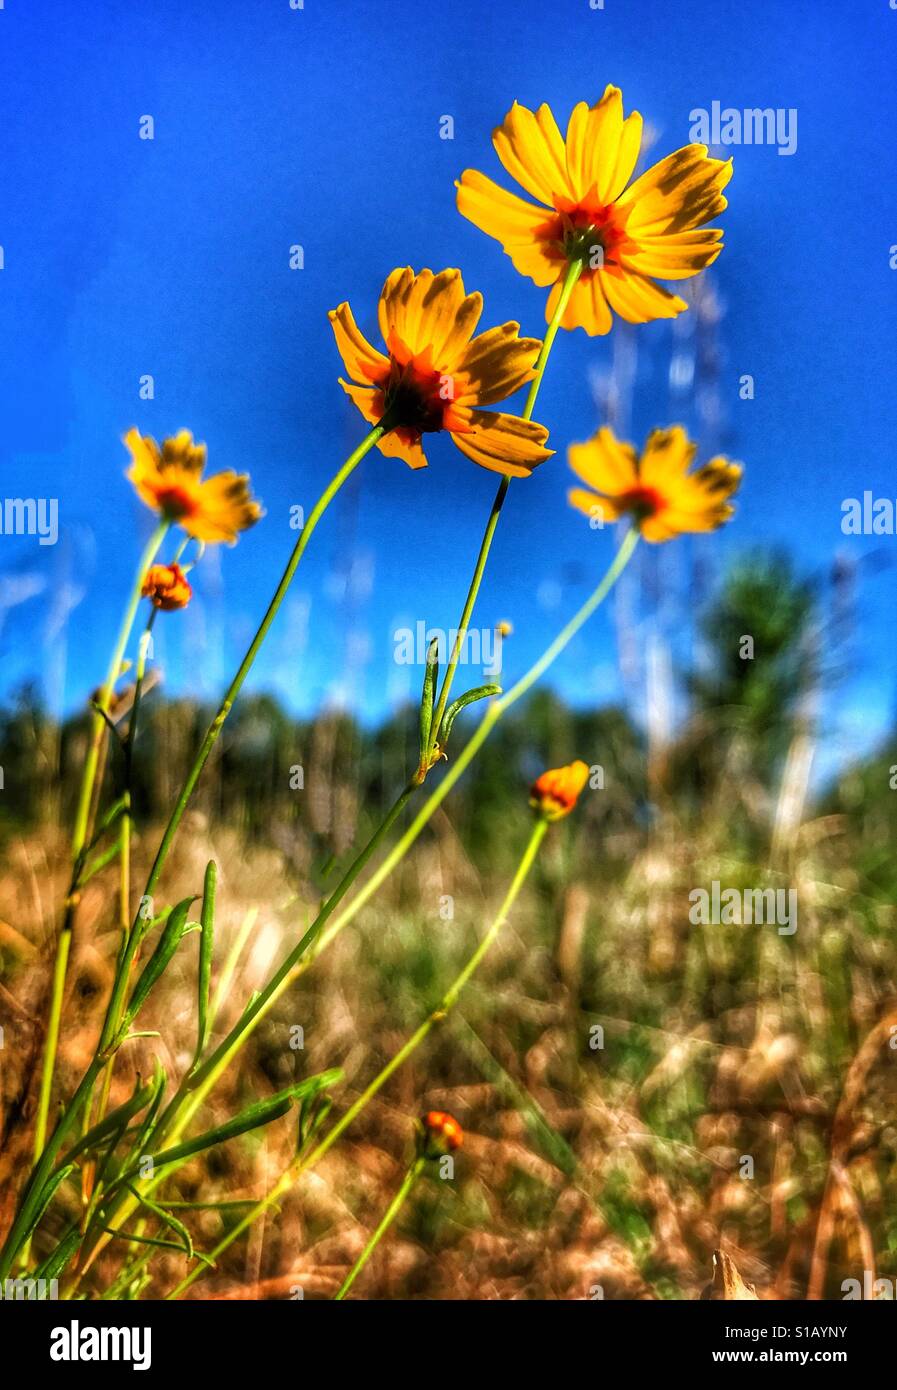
<point x="418" y="398"/>
<point x="175" y="501"/>
<point x="580" y="230"/>
<point x="642" y="501"/>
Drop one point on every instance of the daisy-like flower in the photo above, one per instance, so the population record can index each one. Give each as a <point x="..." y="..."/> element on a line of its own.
<point x="655" y="487"/>
<point x="556" y="792"/>
<point x="435" y="375"/>
<point x="624" y="238"/>
<point x="169" y="479"/>
<point x="167" y="587"/>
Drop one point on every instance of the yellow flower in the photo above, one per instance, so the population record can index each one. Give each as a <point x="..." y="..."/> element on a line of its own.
<point x="624" y="237"/>
<point x="436" y="375"/>
<point x="167" y="587"/>
<point x="655" y="488"/>
<point x="170" y="481"/>
<point x="556" y="792"/>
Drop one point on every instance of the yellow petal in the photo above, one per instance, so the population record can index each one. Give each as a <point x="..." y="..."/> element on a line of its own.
<point x="504" y="443"/>
<point x="676" y="255"/>
<point x="666" y="457"/>
<point x="498" y="363"/>
<point x="605" y="462"/>
<point x="681" y="192"/>
<point x="427" y="310"/>
<point x="530" y="147"/>
<point x="398" y="446"/>
<point x="587" y="307"/>
<point x="596" y="508"/>
<point x="602" y="148"/>
<point x="362" y="361"/>
<point x="638" y="299"/>
<point x="224" y="508"/>
<point x="367" y="398"/>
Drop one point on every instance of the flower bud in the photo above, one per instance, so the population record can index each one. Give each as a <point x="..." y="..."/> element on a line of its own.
<point x="441" y="1134"/>
<point x="166" y="587"/>
<point x="556" y="792"/>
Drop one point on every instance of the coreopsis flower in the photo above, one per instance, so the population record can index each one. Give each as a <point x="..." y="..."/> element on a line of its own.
<point x="167" y="587"/>
<point x="441" y="1133"/>
<point x="169" y="479"/>
<point x="655" y="487"/>
<point x="436" y="376"/>
<point x="556" y="792"/>
<point x="626" y="238"/>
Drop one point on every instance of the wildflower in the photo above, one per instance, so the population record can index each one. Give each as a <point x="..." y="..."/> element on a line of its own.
<point x="167" y="587"/>
<point x="655" y="488"/>
<point x="442" y="1133"/>
<point x="169" y="479"/>
<point x="436" y="375"/>
<point x="556" y="792"/>
<point x="623" y="236"/>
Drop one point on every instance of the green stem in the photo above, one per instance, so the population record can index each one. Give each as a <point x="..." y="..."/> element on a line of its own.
<point x="573" y="273"/>
<point x="79" y="838"/>
<point x="104" y="698"/>
<point x="214" y="730"/>
<point x="302" y="1163"/>
<point x="204" y="1078"/>
<point x="141" y="924"/>
<point x="388" y="1218"/>
<point x="487" y="724"/>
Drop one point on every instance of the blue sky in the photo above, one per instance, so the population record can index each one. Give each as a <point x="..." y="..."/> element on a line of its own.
<point x="321" y="126"/>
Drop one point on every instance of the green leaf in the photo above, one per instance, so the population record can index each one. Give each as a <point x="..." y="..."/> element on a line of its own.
<point x="158" y="1244"/>
<point x="428" y="695"/>
<point x="262" y="1112"/>
<point x="95" y="866"/>
<point x="116" y="1120"/>
<point x="158" y="1084"/>
<point x="47" y="1193"/>
<point x="175" y="929"/>
<point x="206" y="944"/>
<point x="59" y="1257"/>
<point x="482" y="692"/>
<point x="166" y="1218"/>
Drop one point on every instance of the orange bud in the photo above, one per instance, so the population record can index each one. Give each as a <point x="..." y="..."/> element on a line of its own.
<point x="167" y="588"/>
<point x="441" y="1133"/>
<point x="556" y="792"/>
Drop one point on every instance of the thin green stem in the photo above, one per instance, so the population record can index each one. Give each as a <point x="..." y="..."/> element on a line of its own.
<point x="573" y="273"/>
<point x="104" y="699"/>
<point x="388" y="1218"/>
<point x="44" y="1163"/>
<point x="214" y="730"/>
<point x="498" y="708"/>
<point x="198" y="1084"/>
<point x="302" y="1163"/>
<point x="79" y="838"/>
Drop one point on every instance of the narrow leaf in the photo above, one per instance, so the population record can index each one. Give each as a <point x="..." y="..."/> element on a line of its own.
<point x="262" y="1112"/>
<point x="117" y="1119"/>
<point x="175" y="929"/>
<point x="428" y="695"/>
<point x="166" y="1218"/>
<point x="206" y="944"/>
<point x="482" y="692"/>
